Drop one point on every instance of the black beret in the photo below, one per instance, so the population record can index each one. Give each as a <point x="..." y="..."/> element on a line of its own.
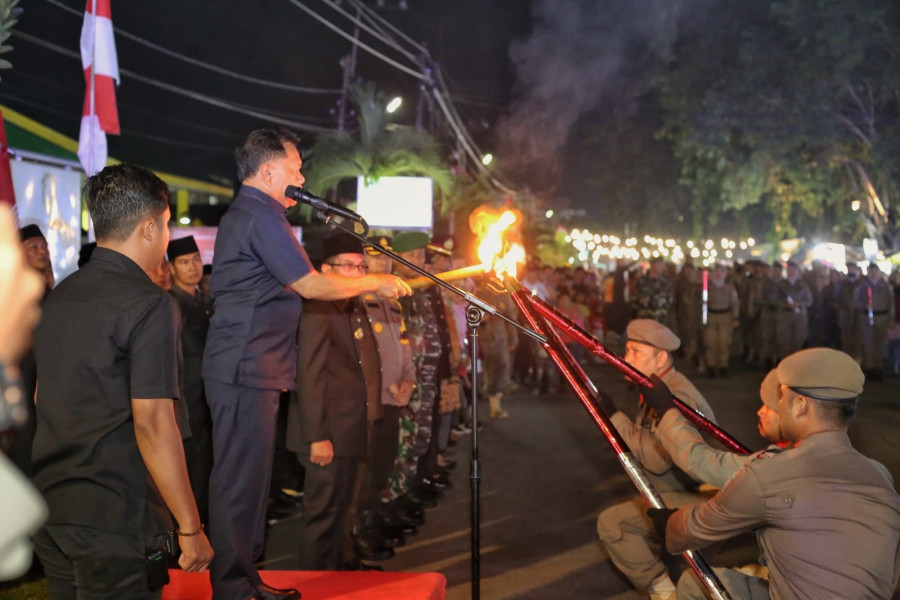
<point x="340" y="243"/>
<point x="181" y="246"/>
<point x="30" y="231"/>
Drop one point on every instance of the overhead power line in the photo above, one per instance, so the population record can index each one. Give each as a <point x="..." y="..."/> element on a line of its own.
<point x="212" y="100"/>
<point x="204" y="65"/>
<point x="361" y="45"/>
<point x="380" y="35"/>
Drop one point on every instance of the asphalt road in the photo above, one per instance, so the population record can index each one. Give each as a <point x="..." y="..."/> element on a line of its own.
<point x="547" y="473"/>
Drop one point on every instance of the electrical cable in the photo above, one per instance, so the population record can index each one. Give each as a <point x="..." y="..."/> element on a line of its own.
<point x="205" y="65"/>
<point x="358" y="43"/>
<point x="224" y="104"/>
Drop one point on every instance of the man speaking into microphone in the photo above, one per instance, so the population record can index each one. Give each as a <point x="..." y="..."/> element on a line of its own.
<point x="259" y="273"/>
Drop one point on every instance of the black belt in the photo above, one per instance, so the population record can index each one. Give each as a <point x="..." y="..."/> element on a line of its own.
<point x="874" y="312"/>
<point x="718" y="311"/>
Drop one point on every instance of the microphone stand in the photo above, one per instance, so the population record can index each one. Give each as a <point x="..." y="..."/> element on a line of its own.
<point x="474" y="315"/>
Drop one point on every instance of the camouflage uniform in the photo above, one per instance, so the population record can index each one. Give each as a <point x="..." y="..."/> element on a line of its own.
<point x="652" y="298"/>
<point x="416" y="418"/>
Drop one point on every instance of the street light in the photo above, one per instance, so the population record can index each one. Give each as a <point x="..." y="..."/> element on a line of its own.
<point x="394" y="104"/>
<point x="486" y="159"/>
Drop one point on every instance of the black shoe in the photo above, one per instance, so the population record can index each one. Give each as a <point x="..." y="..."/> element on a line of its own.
<point x="367" y="548"/>
<point x="711" y="373"/>
<point x="427" y="498"/>
<point x="388" y="536"/>
<point x="403" y="524"/>
<point x="267" y="592"/>
<point x="436" y="482"/>
<point x="724" y="373"/>
<point x="358" y="565"/>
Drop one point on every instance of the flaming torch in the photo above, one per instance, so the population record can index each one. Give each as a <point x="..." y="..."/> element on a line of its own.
<point x="587" y="393"/>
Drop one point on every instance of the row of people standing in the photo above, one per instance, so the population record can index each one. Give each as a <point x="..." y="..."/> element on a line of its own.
<point x="762" y="312"/>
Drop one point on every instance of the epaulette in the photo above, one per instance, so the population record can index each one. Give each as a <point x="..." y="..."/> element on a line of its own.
<point x="768" y="453"/>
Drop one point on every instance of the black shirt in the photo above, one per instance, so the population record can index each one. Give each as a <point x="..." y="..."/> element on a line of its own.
<point x="107" y="335"/>
<point x="194" y="326"/>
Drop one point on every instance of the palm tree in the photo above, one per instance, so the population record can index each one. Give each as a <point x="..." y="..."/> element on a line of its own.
<point x="374" y="150"/>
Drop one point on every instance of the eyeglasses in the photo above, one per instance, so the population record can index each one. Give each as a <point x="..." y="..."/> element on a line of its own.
<point x="363" y="268"/>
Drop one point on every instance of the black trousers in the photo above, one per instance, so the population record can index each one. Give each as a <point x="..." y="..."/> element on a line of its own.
<point x="327" y="494"/>
<point x="243" y="445"/>
<point x="82" y="563"/>
<point x="383" y="448"/>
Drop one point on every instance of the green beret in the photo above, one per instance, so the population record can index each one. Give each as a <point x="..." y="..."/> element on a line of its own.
<point x="770" y="390"/>
<point x="822" y="373"/>
<point x="653" y="333"/>
<point x="410" y="240"/>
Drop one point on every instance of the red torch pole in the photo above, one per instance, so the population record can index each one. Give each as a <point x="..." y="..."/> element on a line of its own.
<point x="586" y="392"/>
<point x="595" y="347"/>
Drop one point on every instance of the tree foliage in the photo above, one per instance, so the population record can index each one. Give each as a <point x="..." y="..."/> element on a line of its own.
<point x="9" y="13"/>
<point x="373" y="150"/>
<point x="793" y="105"/>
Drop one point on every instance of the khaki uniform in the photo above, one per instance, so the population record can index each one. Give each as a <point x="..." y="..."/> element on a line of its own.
<point x="827" y="520"/>
<point x="873" y="335"/>
<point x="722" y="311"/>
<point x="750" y="310"/>
<point x="691" y="453"/>
<point x="767" y="321"/>
<point x="847" y="321"/>
<point x="791" y="320"/>
<point x="625" y="529"/>
<point x="689" y="316"/>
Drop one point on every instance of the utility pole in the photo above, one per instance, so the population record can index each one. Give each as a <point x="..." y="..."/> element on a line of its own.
<point x="348" y="63"/>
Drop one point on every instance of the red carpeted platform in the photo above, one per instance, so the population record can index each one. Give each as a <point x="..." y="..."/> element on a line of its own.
<point x="318" y="585"/>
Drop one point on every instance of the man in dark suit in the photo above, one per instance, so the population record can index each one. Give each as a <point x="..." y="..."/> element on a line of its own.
<point x="338" y="390"/>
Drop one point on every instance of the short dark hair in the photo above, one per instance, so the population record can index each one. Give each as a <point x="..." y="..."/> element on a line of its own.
<point x="837" y="413"/>
<point x="120" y="196"/>
<point x="260" y="146"/>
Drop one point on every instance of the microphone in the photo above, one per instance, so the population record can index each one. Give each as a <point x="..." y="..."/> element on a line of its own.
<point x="304" y="197"/>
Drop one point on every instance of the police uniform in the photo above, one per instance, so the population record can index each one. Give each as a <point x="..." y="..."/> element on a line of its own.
<point x="876" y="297"/>
<point x="791" y="301"/>
<point x="768" y="314"/>
<point x="722" y="312"/>
<point x="386" y="319"/>
<point x="847" y="319"/>
<point x="827" y="518"/>
<point x="625" y="530"/>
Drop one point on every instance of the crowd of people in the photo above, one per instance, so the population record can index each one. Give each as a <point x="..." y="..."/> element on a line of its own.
<point x="173" y="403"/>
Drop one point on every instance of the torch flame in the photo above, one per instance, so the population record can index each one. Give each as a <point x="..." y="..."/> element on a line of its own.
<point x="494" y="251"/>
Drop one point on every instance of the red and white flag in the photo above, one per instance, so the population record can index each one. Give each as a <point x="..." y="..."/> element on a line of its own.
<point x="101" y="74"/>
